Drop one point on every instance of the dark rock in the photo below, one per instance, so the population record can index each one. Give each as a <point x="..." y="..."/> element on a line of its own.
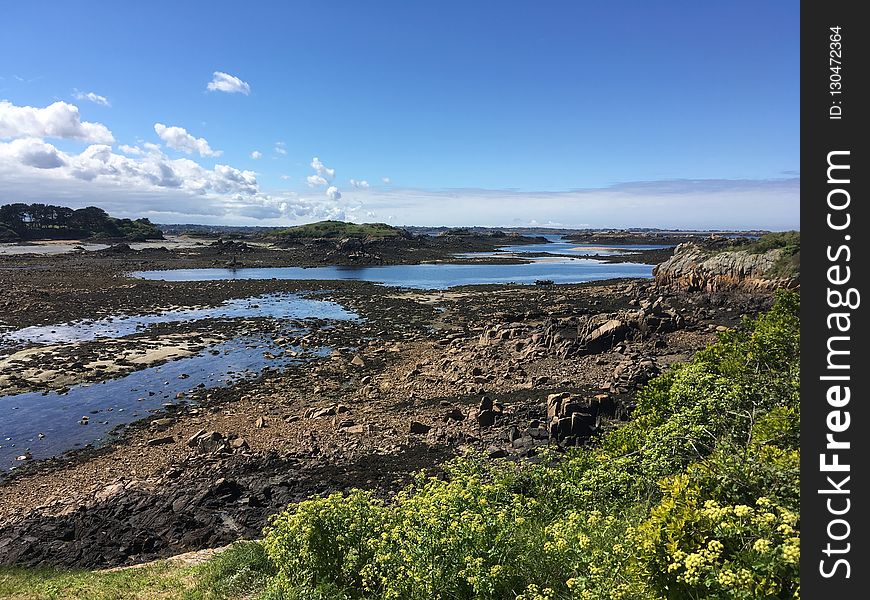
<point x="417" y="427"/>
<point x="485" y="418"/>
<point x="160" y="441"/>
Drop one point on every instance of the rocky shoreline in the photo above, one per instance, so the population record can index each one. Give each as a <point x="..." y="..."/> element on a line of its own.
<point x="422" y="376"/>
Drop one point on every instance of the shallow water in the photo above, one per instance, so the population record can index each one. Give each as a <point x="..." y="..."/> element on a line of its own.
<point x="119" y="401"/>
<point x="278" y="306"/>
<point x="559" y="245"/>
<point x="427" y="276"/>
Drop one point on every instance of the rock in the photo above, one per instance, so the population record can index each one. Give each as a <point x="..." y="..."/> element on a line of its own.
<point x="260" y="423"/>
<point x="357" y="361"/>
<point x="211" y="442"/>
<point x="513" y="433"/>
<point x="109" y="492"/>
<point x="159" y="424"/>
<point x="416" y="427"/>
<point x="454" y="414"/>
<point x="693" y="268"/>
<point x="604" y="336"/>
<point x="495" y="452"/>
<point x="554" y="404"/>
<point x="538" y="433"/>
<point x="160" y="441"/>
<point x="485" y="418"/>
<point x="239" y="443"/>
<point x="193" y="440"/>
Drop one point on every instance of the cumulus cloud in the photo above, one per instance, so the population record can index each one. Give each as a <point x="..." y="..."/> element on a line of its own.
<point x="322" y="169"/>
<point x="152" y="184"/>
<point x="58" y="120"/>
<point x="315" y="180"/>
<point x="280" y="148"/>
<point x="386" y="180"/>
<point x="224" y="82"/>
<point x="33" y="153"/>
<point x="360" y="184"/>
<point x="256" y="155"/>
<point x="177" y="138"/>
<point x="92" y="97"/>
<point x="332" y="193"/>
<point x="132" y="150"/>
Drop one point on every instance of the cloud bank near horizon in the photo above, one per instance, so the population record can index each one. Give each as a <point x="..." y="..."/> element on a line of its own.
<point x="143" y="180"/>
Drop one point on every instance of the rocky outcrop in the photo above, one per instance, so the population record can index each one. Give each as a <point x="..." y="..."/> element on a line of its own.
<point x="692" y="268"/>
<point x="585" y="334"/>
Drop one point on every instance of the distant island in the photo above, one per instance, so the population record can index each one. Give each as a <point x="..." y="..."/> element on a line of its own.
<point x="25" y="222"/>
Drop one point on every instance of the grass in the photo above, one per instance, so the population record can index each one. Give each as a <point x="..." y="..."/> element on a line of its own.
<point x="238" y="573"/>
<point x="340" y="229"/>
<point x="790" y="241"/>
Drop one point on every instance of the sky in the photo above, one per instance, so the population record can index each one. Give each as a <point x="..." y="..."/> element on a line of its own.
<point x="560" y="113"/>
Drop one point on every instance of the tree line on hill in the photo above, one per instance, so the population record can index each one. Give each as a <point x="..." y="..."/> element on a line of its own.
<point x="39" y="221"/>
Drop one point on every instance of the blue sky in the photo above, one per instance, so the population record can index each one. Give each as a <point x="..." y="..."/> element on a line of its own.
<point x="550" y="108"/>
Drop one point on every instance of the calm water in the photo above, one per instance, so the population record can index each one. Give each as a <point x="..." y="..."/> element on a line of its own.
<point x="559" y="245"/>
<point x="277" y="306"/>
<point x="429" y="276"/>
<point x="119" y="401"/>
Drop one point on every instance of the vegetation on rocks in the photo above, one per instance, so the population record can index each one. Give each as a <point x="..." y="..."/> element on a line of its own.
<point x="340" y="229"/>
<point x="48" y="222"/>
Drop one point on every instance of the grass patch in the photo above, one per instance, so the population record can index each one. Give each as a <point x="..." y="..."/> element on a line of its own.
<point x="239" y="572"/>
<point x="340" y="229"/>
<point x="789" y="241"/>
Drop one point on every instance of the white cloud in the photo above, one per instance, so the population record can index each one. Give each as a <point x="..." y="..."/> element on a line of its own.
<point x="360" y="184"/>
<point x="132" y="150"/>
<point x="280" y="148"/>
<point x="152" y="185"/>
<point x="32" y="152"/>
<point x="322" y="169"/>
<point x="91" y="96"/>
<point x="332" y="193"/>
<point x="387" y="180"/>
<point x="58" y="120"/>
<point x="286" y="177"/>
<point x="315" y="180"/>
<point x="224" y="82"/>
<point x="177" y="138"/>
<point x="256" y="155"/>
<point x="684" y="204"/>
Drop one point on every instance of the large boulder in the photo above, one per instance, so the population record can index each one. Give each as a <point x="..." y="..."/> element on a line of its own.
<point x="693" y="268"/>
